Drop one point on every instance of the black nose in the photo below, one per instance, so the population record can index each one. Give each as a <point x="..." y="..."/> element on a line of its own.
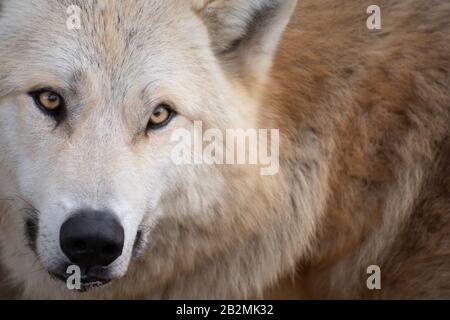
<point x="92" y="238"/>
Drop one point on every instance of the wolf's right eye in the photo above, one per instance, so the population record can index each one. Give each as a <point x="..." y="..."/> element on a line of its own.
<point x="49" y="102"/>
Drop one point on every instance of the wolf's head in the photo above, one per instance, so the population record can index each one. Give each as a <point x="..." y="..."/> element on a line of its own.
<point x="90" y="94"/>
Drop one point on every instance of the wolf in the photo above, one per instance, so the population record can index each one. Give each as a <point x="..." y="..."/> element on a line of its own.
<point x="86" y="176"/>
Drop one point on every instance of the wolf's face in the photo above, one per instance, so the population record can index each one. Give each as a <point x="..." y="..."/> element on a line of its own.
<point x="86" y="118"/>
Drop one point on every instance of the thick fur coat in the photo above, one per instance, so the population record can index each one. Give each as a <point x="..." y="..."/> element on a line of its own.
<point x="364" y="118"/>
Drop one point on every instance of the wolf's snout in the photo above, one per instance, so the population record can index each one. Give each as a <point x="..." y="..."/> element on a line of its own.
<point x="92" y="239"/>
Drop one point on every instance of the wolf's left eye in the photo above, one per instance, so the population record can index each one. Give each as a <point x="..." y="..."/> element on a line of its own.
<point x="161" y="117"/>
<point x="49" y="102"/>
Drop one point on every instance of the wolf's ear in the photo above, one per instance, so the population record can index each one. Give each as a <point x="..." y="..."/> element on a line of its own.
<point x="244" y="34"/>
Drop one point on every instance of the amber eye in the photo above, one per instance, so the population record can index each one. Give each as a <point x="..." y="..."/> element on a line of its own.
<point x="49" y="102"/>
<point x="161" y="117"/>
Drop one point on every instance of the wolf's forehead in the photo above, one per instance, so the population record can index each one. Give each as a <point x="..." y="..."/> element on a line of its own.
<point x="116" y="26"/>
<point x="96" y="16"/>
<point x="120" y="38"/>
